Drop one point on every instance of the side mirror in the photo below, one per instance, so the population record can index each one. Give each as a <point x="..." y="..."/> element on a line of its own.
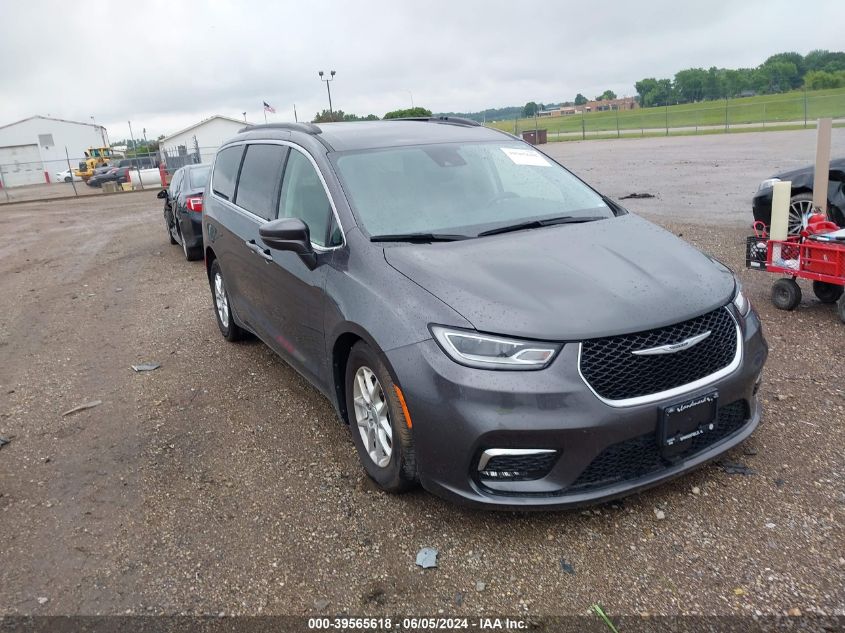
<point x="162" y="194"/>
<point x="289" y="234"/>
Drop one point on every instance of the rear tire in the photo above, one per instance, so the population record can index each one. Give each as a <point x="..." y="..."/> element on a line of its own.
<point x="230" y="330"/>
<point x="786" y="294"/>
<point x="371" y="393"/>
<point x="191" y="254"/>
<point x="827" y="293"/>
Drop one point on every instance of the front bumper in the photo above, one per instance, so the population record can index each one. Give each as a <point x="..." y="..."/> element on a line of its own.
<point x="459" y="412"/>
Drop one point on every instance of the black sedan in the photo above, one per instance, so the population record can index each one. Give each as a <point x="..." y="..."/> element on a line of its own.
<point x="183" y="209"/>
<point x="108" y="174"/>
<point x="802" y="195"/>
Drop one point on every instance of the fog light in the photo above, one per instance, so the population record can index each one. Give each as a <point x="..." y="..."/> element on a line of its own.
<point x="516" y="464"/>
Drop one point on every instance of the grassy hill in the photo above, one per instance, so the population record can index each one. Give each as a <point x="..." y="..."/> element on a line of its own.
<point x="786" y="107"/>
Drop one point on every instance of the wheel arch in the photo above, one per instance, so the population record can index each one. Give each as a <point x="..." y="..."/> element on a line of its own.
<point x="342" y="342"/>
<point x="210" y="256"/>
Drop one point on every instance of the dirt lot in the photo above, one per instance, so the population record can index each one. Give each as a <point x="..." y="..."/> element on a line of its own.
<point x="222" y="482"/>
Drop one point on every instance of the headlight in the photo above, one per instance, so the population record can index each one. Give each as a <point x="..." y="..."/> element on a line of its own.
<point x="493" y="352"/>
<point x="768" y="183"/>
<point x="741" y="302"/>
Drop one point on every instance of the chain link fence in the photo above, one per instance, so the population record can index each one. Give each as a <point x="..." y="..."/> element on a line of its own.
<point x="29" y="179"/>
<point x="709" y="117"/>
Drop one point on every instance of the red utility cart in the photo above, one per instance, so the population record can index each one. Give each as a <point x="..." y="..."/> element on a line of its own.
<point x="813" y="257"/>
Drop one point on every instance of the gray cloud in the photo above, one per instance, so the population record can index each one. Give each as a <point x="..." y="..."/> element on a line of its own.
<point x="166" y="64"/>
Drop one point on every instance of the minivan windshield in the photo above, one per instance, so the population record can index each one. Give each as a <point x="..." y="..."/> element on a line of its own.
<point x="462" y="189"/>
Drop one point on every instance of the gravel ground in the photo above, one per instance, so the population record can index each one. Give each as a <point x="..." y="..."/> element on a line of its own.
<point x="223" y="483"/>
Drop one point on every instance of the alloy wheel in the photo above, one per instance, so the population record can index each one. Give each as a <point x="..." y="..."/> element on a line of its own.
<point x="220" y="300"/>
<point x="798" y="210"/>
<point x="371" y="416"/>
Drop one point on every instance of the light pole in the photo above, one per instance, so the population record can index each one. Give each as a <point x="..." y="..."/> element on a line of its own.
<point x="329" y="90"/>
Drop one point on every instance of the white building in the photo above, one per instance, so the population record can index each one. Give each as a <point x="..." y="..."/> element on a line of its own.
<point x="33" y="150"/>
<point x="203" y="138"/>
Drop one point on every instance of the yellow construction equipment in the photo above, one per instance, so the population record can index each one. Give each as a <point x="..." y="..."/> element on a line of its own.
<point x="94" y="157"/>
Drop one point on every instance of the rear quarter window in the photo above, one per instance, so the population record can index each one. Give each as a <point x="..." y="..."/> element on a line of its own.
<point x="226" y="171"/>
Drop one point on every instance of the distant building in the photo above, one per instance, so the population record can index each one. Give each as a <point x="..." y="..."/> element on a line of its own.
<point x="625" y="103"/>
<point x="198" y="143"/>
<point x="33" y="150"/>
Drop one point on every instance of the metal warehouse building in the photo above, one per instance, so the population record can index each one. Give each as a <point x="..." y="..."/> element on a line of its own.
<point x="199" y="142"/>
<point x="32" y="150"/>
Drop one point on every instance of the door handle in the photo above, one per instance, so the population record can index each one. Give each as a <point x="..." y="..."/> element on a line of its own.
<point x="262" y="252"/>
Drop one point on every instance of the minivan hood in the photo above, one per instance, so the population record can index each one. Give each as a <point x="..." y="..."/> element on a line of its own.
<point x="569" y="282"/>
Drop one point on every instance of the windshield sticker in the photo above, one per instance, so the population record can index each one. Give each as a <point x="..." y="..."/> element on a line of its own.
<point x="525" y="157"/>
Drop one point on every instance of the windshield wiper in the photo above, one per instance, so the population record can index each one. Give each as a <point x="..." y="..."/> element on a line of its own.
<point x="419" y="237"/>
<point x="536" y="224"/>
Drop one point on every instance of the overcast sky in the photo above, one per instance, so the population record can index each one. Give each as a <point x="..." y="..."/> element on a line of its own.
<point x="165" y="64"/>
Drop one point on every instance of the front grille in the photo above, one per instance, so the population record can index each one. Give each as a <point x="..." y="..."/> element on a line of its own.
<point x="615" y="373"/>
<point x="640" y="456"/>
<point x="519" y="467"/>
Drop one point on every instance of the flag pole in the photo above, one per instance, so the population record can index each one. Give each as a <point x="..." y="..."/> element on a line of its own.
<point x="294" y="113"/>
<point x="265" y="116"/>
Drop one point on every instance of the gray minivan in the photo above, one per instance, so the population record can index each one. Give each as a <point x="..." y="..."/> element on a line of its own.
<point x="486" y="323"/>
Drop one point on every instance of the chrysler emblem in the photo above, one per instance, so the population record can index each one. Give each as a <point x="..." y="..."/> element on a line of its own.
<point x="671" y="348"/>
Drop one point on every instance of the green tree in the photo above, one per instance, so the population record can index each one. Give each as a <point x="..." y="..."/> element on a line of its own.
<point x="689" y="84"/>
<point x="409" y="112"/>
<point x="823" y="80"/>
<point x="530" y="109"/>
<point x="580" y="99"/>
<point x="606" y="95"/>
<point x="328" y="117"/>
<point x="790" y="58"/>
<point x="713" y="84"/>
<point x="780" y="76"/>
<point x="824" y="60"/>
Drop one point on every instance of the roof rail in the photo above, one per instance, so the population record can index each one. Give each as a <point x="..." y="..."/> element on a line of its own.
<point x="307" y="128"/>
<point x="448" y="120"/>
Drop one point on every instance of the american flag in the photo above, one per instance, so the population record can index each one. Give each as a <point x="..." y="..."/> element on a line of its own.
<point x="269" y="108"/>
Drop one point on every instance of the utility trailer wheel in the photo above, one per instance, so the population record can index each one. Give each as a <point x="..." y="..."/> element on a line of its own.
<point x="840" y="308"/>
<point x="786" y="294"/>
<point x="827" y="293"/>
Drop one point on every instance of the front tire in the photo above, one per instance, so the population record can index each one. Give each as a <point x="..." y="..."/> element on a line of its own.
<point x="377" y="421"/>
<point x="786" y="294"/>
<point x="230" y="330"/>
<point x="67" y="179"/>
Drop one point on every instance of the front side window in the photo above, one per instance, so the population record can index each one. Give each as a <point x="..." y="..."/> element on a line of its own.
<point x="259" y="181"/>
<point x="226" y="171"/>
<point x="304" y="197"/>
<point x="460" y="188"/>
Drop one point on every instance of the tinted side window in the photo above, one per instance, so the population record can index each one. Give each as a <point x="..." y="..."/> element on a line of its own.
<point x="259" y="181"/>
<point x="304" y="197"/>
<point x="226" y="170"/>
